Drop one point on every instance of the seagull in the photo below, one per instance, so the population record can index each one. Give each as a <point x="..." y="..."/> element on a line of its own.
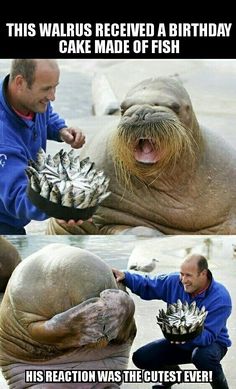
<point x="148" y="268"/>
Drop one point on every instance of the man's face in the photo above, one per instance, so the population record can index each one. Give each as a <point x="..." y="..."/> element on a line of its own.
<point x="192" y="280"/>
<point x="36" y="97"/>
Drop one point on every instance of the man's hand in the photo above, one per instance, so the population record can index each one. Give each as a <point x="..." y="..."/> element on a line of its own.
<point x="72" y="136"/>
<point x="119" y="275"/>
<point x="73" y="223"/>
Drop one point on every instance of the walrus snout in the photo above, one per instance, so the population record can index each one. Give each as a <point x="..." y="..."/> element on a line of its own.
<point x="147" y="114"/>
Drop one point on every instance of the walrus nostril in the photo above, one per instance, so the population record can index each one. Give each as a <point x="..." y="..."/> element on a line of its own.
<point x="154" y="115"/>
<point x="140" y="115"/>
<point x="143" y="115"/>
<point x="147" y="115"/>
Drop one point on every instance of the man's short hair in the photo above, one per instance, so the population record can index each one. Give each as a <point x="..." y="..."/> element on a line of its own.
<point x="24" y="67"/>
<point x="202" y="263"/>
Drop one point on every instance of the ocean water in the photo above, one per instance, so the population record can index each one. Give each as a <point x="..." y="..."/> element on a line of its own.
<point x="113" y="249"/>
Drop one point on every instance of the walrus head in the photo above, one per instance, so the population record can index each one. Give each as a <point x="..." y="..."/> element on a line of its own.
<point x="157" y="130"/>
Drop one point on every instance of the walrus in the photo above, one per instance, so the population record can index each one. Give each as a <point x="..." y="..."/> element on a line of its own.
<point x="9" y="259"/>
<point x="168" y="174"/>
<point x="63" y="310"/>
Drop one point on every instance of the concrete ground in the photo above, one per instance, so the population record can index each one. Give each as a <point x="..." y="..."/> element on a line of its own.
<point x="170" y="252"/>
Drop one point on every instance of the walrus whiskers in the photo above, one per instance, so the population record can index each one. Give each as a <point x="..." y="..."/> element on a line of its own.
<point x="170" y="138"/>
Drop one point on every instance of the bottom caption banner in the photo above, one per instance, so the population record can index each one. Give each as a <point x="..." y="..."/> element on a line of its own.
<point x="117" y="376"/>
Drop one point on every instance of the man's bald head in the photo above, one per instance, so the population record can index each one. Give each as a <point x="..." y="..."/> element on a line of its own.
<point x="32" y="84"/>
<point x="194" y="273"/>
<point x="199" y="260"/>
<point x="27" y="68"/>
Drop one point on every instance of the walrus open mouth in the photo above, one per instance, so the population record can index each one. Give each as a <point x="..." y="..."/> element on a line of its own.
<point x="145" y="151"/>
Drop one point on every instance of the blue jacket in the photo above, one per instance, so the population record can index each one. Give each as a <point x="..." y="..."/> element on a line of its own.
<point x="169" y="288"/>
<point x="20" y="141"/>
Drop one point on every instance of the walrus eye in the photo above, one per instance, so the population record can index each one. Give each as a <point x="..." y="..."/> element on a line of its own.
<point x="175" y="107"/>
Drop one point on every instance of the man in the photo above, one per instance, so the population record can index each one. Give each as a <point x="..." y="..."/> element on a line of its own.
<point x="26" y="122"/>
<point x="194" y="283"/>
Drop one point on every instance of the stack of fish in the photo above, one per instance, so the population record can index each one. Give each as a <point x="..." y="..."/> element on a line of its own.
<point x="67" y="181"/>
<point x="181" y="319"/>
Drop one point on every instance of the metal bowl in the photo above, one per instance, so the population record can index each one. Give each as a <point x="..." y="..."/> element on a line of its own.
<point x="59" y="211"/>
<point x="183" y="337"/>
<point x="182" y="321"/>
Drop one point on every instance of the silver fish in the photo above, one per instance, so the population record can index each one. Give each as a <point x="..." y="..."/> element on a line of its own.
<point x="71" y="155"/>
<point x="65" y="160"/>
<point x="66" y="180"/>
<point x="40" y="159"/>
<point x="181" y="318"/>
<point x="55" y="195"/>
<point x="84" y="162"/>
<point x="35" y="184"/>
<point x="31" y="171"/>
<point x="32" y="163"/>
<point x="57" y="159"/>
<point x="49" y="160"/>
<point x="34" y="178"/>
<point x="68" y="197"/>
<point x="46" y="189"/>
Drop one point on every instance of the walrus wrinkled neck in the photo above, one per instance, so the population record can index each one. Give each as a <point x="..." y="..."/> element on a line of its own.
<point x="149" y="144"/>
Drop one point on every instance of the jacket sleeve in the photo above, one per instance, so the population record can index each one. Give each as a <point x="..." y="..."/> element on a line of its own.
<point x="54" y="125"/>
<point x="13" y="184"/>
<point x="148" y="288"/>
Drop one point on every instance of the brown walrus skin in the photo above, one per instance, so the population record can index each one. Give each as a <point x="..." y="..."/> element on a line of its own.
<point x="63" y="310"/>
<point x="9" y="259"/>
<point x="167" y="174"/>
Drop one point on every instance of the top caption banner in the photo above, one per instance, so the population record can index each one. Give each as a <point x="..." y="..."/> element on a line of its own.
<point x="117" y="40"/>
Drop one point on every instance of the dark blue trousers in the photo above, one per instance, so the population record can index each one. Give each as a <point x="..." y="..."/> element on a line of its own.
<point x="6" y="229"/>
<point x="161" y="355"/>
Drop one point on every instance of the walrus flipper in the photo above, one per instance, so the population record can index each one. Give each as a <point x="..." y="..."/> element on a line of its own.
<point x="87" y="228"/>
<point x="95" y="321"/>
<point x="119" y="312"/>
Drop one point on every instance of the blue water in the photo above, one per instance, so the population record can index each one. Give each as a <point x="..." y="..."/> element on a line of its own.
<point x="113" y="249"/>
